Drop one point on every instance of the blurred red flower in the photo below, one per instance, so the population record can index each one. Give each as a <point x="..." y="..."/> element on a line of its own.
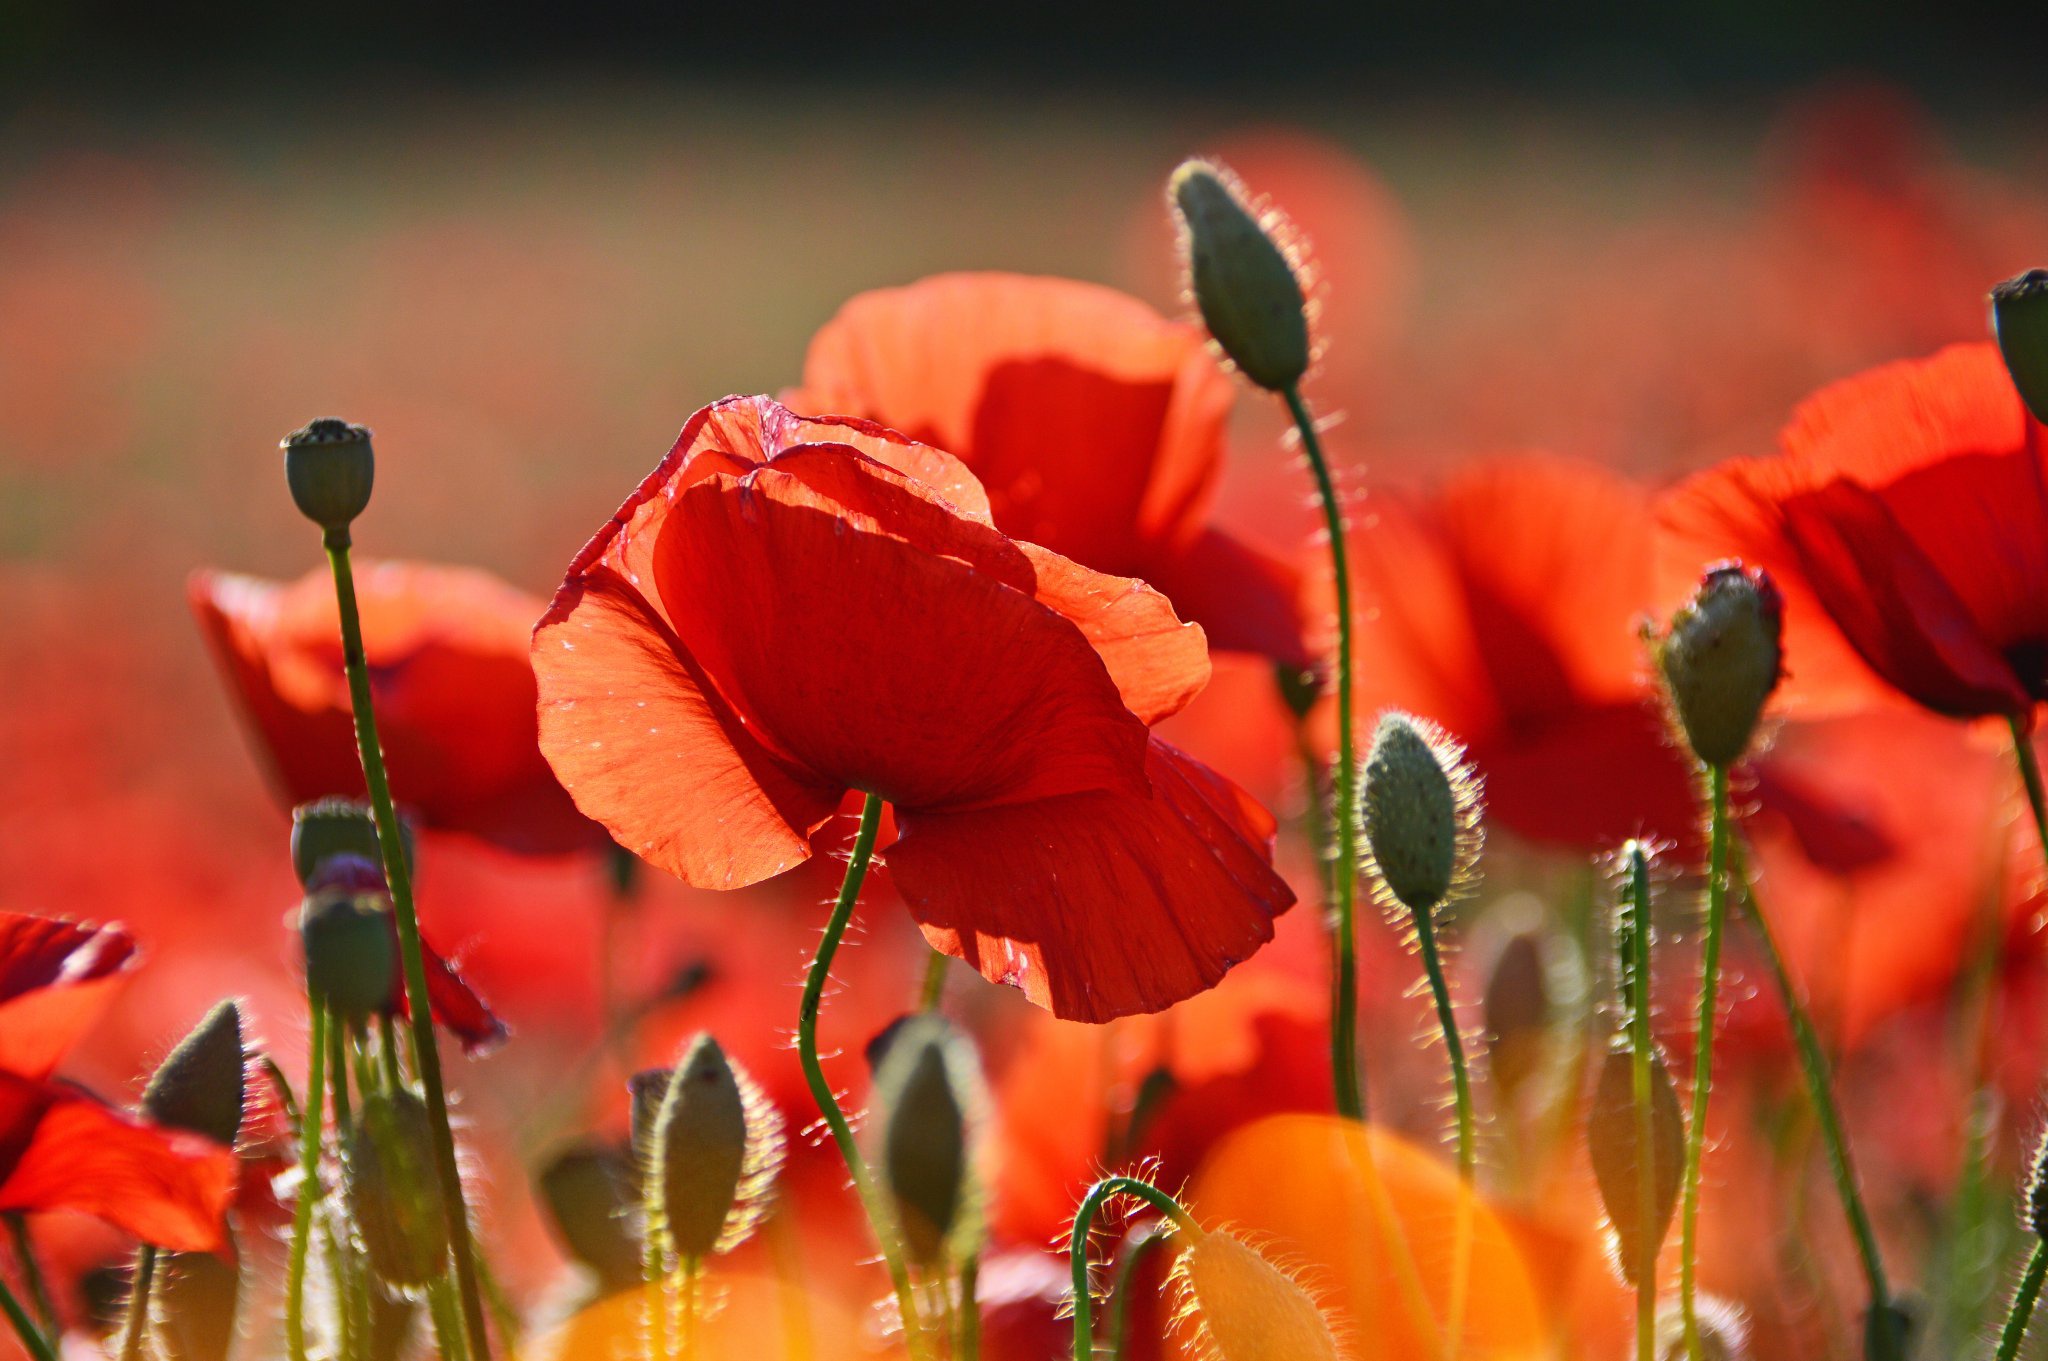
<point x="56" y="977"/>
<point x="1095" y="425"/>
<point x="454" y="694"/>
<point x="787" y="609"/>
<point x="1906" y="520"/>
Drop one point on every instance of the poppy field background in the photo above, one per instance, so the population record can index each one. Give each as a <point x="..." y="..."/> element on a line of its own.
<point x="1537" y="319"/>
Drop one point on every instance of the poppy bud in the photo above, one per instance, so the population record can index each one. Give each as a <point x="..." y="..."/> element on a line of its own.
<point x="711" y="1155"/>
<point x="351" y="952"/>
<point x="393" y="1191"/>
<point x="330" y="469"/>
<point x="1612" y="1140"/>
<point x="327" y="828"/>
<point x="1299" y="686"/>
<point x="1722" y="658"/>
<point x="1245" y="1308"/>
<point x="197" y="1294"/>
<point x="2019" y="316"/>
<point x="928" y="1093"/>
<point x="1517" y="1009"/>
<point x="1421" y="812"/>
<point x="588" y="1191"/>
<point x="198" y="1086"/>
<point x="648" y="1088"/>
<point x="1250" y="297"/>
<point x="1887" y="1331"/>
<point x="1724" y="1332"/>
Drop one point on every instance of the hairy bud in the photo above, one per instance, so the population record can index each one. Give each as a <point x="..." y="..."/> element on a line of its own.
<point x="1722" y="658"/>
<point x="197" y="1295"/>
<point x="199" y="1085"/>
<point x="2019" y="315"/>
<point x="330" y="469"/>
<point x="1421" y="804"/>
<point x="1245" y="1308"/>
<point x="588" y="1191"/>
<point x="928" y="1092"/>
<point x="351" y="952"/>
<point x="393" y="1192"/>
<point x="1250" y="297"/>
<point x="711" y="1154"/>
<point x="1613" y="1140"/>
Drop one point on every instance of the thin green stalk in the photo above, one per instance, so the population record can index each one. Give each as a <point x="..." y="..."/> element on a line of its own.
<point x="446" y="1313"/>
<point x="309" y="1186"/>
<point x="1344" y="1064"/>
<point x="1640" y="1042"/>
<point x="137" y="1326"/>
<point x="1126" y="1283"/>
<point x="2030" y="776"/>
<point x="933" y="989"/>
<point x="1468" y="1128"/>
<point x="2015" y="1330"/>
<point x="1703" y="1058"/>
<point x="33" y="1342"/>
<point x="349" y="1307"/>
<point x="967" y="1341"/>
<point x="32" y="1273"/>
<point x="1077" y="1246"/>
<point x="337" y="1070"/>
<point x="398" y="875"/>
<point x="879" y="1215"/>
<point x="387" y="1054"/>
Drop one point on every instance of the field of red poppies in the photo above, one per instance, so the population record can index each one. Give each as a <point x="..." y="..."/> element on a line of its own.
<point x="950" y="856"/>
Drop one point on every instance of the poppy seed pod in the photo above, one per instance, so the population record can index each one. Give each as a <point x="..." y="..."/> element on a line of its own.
<point x="1421" y="805"/>
<point x="928" y="1094"/>
<point x="393" y="1192"/>
<point x="351" y="952"/>
<point x="330" y="469"/>
<point x="2019" y="317"/>
<point x="199" y="1085"/>
<point x="1250" y="297"/>
<point x="1245" y="1308"/>
<point x="327" y="828"/>
<point x="1722" y="658"/>
<point x="711" y="1155"/>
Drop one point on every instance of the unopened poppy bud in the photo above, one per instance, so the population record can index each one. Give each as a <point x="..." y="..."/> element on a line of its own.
<point x="330" y="469"/>
<point x="328" y="828"/>
<point x="588" y="1191"/>
<point x="1724" y="1332"/>
<point x="351" y="952"/>
<point x="199" y="1085"/>
<point x="1243" y="1307"/>
<point x="1613" y="1141"/>
<point x="197" y="1294"/>
<point x="1250" y="297"/>
<point x="1722" y="658"/>
<point x="712" y="1154"/>
<point x="393" y="1191"/>
<point x="928" y="1094"/>
<point x="1300" y="687"/>
<point x="1421" y="813"/>
<point x="1517" y="1009"/>
<point x="2019" y="315"/>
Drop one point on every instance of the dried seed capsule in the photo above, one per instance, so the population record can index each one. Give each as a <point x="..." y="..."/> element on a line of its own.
<point x="928" y="1092"/>
<point x="199" y="1085"/>
<point x="1722" y="658"/>
<point x="351" y="952"/>
<point x="1421" y="813"/>
<point x="1245" y="1308"/>
<point x="2019" y="314"/>
<point x="330" y="469"/>
<point x="1246" y="286"/>
<point x="393" y="1191"/>
<point x="327" y="829"/>
<point x="711" y="1155"/>
<point x="1611" y="1136"/>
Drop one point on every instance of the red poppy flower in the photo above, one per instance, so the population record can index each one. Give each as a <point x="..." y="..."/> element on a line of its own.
<point x="1906" y="521"/>
<point x="1095" y="424"/>
<point x="56" y="977"/>
<point x="788" y="609"/>
<point x="454" y="694"/>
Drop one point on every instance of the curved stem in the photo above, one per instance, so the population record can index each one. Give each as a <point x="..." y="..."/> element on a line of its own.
<point x="1640" y="1041"/>
<point x="33" y="1342"/>
<point x="2015" y="1330"/>
<point x="864" y="1186"/>
<point x="309" y="1186"/>
<point x="1077" y="1245"/>
<point x="398" y="875"/>
<point x="1703" y="1057"/>
<point x="1344" y="1065"/>
<point x="1126" y="1281"/>
<point x="138" y="1304"/>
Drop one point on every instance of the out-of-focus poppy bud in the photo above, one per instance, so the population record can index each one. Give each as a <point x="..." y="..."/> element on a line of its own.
<point x="711" y="1155"/>
<point x="351" y="955"/>
<point x="1245" y="1308"/>
<point x="1421" y="813"/>
<point x="1724" y="1332"/>
<point x="197" y="1294"/>
<point x="588" y="1190"/>
<point x="326" y="829"/>
<point x="1242" y="279"/>
<point x="330" y="468"/>
<point x="393" y="1191"/>
<point x="2019" y="315"/>
<point x="1517" y="1009"/>
<point x="199" y="1085"/>
<point x="1722" y="658"/>
<point x="1300" y="687"/>
<point x="928" y="1091"/>
<point x="1612" y="1137"/>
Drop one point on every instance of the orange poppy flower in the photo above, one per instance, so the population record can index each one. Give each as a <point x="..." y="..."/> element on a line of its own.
<point x="788" y="609"/>
<point x="56" y="977"/>
<point x="454" y="694"/>
<point x="1906" y="521"/>
<point x="1095" y="425"/>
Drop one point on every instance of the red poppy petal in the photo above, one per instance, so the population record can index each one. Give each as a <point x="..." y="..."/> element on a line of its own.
<point x="1099" y="905"/>
<point x="1246" y="600"/>
<point x="455" y="1005"/>
<point x="62" y="1149"/>
<point x="56" y="977"/>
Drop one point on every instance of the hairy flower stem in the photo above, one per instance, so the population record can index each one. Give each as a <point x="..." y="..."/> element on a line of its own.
<point x="1119" y="1323"/>
<point x="309" y="1184"/>
<point x="2015" y="1330"/>
<point x="1703" y="1057"/>
<point x="879" y="1214"/>
<point x="1813" y="1065"/>
<point x="1344" y="1064"/>
<point x="1637" y="964"/>
<point x="1468" y="1129"/>
<point x="32" y="1273"/>
<point x="1077" y="1245"/>
<point x="33" y="1342"/>
<point x="398" y="875"/>
<point x="932" y="989"/>
<point x="137" y="1326"/>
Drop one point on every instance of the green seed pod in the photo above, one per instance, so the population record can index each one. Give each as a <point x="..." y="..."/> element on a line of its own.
<point x="1722" y="658"/>
<point x="928" y="1095"/>
<point x="711" y="1155"/>
<point x="327" y="829"/>
<point x="351" y="952"/>
<point x="1421" y="804"/>
<point x="199" y="1085"/>
<point x="589" y="1191"/>
<point x="1245" y="284"/>
<point x="2019" y="316"/>
<point x="1612" y="1140"/>
<point x="197" y="1295"/>
<point x="1724" y="1332"/>
<point x="330" y="469"/>
<point x="393" y="1191"/>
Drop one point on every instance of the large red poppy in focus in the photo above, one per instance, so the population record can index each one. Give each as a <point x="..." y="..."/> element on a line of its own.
<point x="1906" y="521"/>
<point x="788" y="609"/>
<point x="449" y="673"/>
<point x="1095" y="424"/>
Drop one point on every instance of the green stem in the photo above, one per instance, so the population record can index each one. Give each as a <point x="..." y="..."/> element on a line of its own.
<point x="879" y="1216"/>
<point x="2030" y="776"/>
<point x="1077" y="1246"/>
<point x="967" y="1341"/>
<point x="32" y="1273"/>
<point x="447" y="1316"/>
<point x="2015" y="1330"/>
<point x="337" y="1070"/>
<point x="309" y="1186"/>
<point x="1813" y="1064"/>
<point x="1703" y="1057"/>
<point x="398" y="875"/>
<point x="137" y="1325"/>
<point x="933" y="989"/>
<point x="1447" y="1019"/>
<point x="1640" y="1051"/>
<point x="1125" y="1284"/>
<point x="38" y="1347"/>
<point x="1344" y="1064"/>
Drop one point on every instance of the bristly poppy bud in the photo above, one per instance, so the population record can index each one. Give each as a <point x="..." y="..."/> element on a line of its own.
<point x="928" y="1095"/>
<point x="393" y="1190"/>
<point x="589" y="1193"/>
<point x="197" y="1294"/>
<point x="2019" y="317"/>
<point x="328" y="828"/>
<point x="1245" y="284"/>
<point x="330" y="469"/>
<point x="1722" y="658"/>
<point x="1243" y="1307"/>
<point x="351" y="953"/>
<point x="1421" y="804"/>
<point x="1724" y="1332"/>
<point x="1613" y="1140"/>
<point x="199" y="1085"/>
<point x="711" y="1155"/>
